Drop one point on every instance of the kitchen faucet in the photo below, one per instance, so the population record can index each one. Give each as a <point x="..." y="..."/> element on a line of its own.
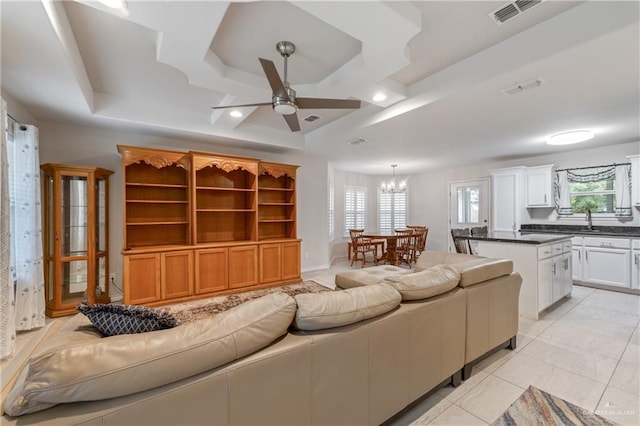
<point x="589" y="221"/>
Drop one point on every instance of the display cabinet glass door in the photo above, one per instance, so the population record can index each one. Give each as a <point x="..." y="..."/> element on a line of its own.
<point x="74" y="238"/>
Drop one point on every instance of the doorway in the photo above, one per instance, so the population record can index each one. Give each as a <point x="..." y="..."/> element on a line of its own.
<point x="468" y="205"/>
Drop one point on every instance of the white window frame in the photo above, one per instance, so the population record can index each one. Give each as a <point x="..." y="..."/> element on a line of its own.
<point x="581" y="216"/>
<point x="331" y="204"/>
<point x="397" y="217"/>
<point x="356" y="217"/>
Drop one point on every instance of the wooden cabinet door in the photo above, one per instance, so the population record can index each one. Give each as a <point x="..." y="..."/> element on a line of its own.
<point x="291" y="260"/>
<point x="270" y="262"/>
<point x="212" y="273"/>
<point x="141" y="278"/>
<point x="243" y="266"/>
<point x="176" y="269"/>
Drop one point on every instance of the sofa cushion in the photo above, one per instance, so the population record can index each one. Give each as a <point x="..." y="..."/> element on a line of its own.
<point x="429" y="259"/>
<point x="368" y="276"/>
<point x="126" y="364"/>
<point x="111" y="319"/>
<point x="338" y="308"/>
<point x="428" y="283"/>
<point x="483" y="269"/>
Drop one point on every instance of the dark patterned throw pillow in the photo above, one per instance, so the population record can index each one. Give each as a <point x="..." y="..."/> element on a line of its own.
<point x="111" y="319"/>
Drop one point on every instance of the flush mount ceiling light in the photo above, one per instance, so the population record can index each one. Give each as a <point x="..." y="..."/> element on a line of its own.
<point x="379" y="97"/>
<point x="567" y="138"/>
<point x="235" y="113"/>
<point x="356" y="141"/>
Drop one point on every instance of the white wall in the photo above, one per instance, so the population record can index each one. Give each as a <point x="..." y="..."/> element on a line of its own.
<point x="78" y="145"/>
<point x="428" y="191"/>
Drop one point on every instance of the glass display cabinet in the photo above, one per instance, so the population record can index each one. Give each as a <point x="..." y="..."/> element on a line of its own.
<point x="76" y="230"/>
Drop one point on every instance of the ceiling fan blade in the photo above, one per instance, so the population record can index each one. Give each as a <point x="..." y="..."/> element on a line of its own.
<point x="321" y="103"/>
<point x="292" y="121"/>
<point x="241" y="106"/>
<point x="277" y="86"/>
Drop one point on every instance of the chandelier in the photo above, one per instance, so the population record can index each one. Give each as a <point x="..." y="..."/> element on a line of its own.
<point x="391" y="187"/>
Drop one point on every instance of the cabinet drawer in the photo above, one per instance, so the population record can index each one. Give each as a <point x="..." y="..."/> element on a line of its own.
<point x="566" y="246"/>
<point x="621" y="243"/>
<point x="577" y="241"/>
<point x="557" y="248"/>
<point x="635" y="244"/>
<point x="545" y="250"/>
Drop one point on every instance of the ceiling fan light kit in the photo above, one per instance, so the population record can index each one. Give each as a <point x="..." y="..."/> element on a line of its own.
<point x="284" y="100"/>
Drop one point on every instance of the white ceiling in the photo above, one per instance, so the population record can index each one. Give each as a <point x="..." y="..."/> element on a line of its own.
<point x="160" y="67"/>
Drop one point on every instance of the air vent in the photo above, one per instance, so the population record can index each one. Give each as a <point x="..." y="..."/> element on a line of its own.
<point x="511" y="10"/>
<point x="356" y="141"/>
<point x="311" y="118"/>
<point x="521" y="87"/>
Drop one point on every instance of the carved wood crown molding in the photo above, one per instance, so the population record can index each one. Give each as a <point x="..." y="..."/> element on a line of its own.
<point x="226" y="164"/>
<point x="155" y="160"/>
<point x="278" y="170"/>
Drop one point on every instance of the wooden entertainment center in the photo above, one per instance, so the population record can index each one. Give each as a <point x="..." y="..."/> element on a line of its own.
<point x="198" y="224"/>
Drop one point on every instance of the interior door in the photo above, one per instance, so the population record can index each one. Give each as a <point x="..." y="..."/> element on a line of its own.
<point x="468" y="205"/>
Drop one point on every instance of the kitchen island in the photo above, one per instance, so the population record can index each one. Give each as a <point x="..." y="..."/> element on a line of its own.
<point x="543" y="261"/>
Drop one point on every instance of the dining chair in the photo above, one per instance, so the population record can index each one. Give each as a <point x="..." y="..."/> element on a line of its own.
<point x="462" y="245"/>
<point x="361" y="245"/>
<point x="405" y="246"/>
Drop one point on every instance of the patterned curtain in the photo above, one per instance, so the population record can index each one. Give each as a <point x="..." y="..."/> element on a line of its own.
<point x="563" y="194"/>
<point x="7" y="323"/>
<point x="623" y="190"/>
<point x="24" y="175"/>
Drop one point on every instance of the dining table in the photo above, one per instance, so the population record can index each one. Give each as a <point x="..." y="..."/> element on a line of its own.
<point x="390" y="254"/>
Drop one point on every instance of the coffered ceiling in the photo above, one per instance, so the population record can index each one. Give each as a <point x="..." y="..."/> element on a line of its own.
<point x="443" y="65"/>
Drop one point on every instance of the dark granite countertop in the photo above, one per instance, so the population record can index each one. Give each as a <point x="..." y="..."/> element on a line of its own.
<point x="518" y="237"/>
<point x="597" y="231"/>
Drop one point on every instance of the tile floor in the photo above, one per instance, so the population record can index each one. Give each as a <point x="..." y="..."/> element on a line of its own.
<point x="586" y="350"/>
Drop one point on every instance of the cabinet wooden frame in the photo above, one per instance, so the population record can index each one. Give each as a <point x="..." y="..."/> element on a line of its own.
<point x="59" y="299"/>
<point x="155" y="197"/>
<point x="233" y="206"/>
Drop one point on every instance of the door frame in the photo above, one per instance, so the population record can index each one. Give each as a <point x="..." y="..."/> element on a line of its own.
<point x="485" y="187"/>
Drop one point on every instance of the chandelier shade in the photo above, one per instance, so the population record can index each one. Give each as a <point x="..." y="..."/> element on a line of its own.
<point x="392" y="187"/>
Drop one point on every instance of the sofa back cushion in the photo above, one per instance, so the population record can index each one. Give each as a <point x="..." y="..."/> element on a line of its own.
<point x="126" y="364"/>
<point x="429" y="259"/>
<point x="428" y="283"/>
<point x="483" y="269"/>
<point x="334" y="309"/>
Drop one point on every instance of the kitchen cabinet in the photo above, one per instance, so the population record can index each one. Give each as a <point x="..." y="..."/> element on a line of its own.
<point x="507" y="191"/>
<point x="577" y="256"/>
<point x="605" y="261"/>
<point x="279" y="261"/>
<point x="545" y="269"/>
<point x="539" y="182"/>
<point x="635" y="266"/>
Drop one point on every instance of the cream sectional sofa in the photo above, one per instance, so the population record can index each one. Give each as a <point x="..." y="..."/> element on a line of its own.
<point x="360" y="373"/>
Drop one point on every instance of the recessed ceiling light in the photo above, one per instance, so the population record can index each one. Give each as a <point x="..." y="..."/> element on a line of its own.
<point x="235" y="113"/>
<point x="379" y="97"/>
<point x="567" y="138"/>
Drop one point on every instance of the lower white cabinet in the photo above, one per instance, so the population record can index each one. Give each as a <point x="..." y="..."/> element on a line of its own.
<point x="635" y="265"/>
<point x="545" y="269"/>
<point x="606" y="261"/>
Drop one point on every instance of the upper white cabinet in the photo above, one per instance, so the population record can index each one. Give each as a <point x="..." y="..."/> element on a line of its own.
<point x="635" y="179"/>
<point x="506" y="193"/>
<point x="540" y="186"/>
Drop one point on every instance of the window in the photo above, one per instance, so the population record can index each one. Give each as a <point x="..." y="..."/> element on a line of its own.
<point x="598" y="196"/>
<point x="392" y="211"/>
<point x="331" y="196"/>
<point x="355" y="208"/>
<point x="468" y="201"/>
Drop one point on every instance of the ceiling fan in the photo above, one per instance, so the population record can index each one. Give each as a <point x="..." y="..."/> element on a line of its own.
<point x="284" y="100"/>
